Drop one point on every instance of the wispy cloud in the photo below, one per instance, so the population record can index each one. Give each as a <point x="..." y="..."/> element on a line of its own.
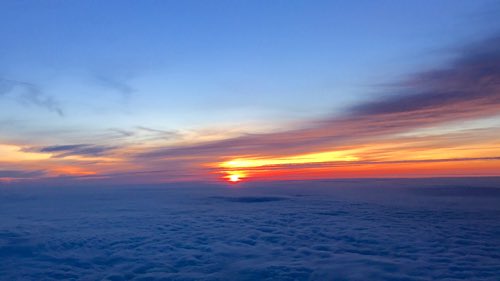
<point x="28" y="94"/>
<point x="467" y="87"/>
<point x="123" y="133"/>
<point x="75" y="149"/>
<point x="164" y="134"/>
<point x="117" y="85"/>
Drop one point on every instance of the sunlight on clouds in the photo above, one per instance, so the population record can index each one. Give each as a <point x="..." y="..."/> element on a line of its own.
<point x="320" y="157"/>
<point x="237" y="169"/>
<point x="12" y="153"/>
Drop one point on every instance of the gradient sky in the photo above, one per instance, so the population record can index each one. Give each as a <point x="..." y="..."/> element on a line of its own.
<point x="156" y="91"/>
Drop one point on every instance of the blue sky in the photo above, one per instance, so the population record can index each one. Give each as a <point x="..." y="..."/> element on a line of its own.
<point x="185" y="64"/>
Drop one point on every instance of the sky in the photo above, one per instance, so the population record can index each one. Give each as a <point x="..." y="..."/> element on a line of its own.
<point x="166" y="91"/>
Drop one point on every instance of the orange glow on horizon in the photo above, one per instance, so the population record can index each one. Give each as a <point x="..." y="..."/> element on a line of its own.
<point x="460" y="154"/>
<point x="401" y="158"/>
<point x="73" y="171"/>
<point x="381" y="170"/>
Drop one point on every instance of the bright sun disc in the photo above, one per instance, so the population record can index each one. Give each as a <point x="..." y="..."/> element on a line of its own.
<point x="234" y="178"/>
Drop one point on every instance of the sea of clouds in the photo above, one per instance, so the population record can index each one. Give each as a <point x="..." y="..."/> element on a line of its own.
<point x="321" y="230"/>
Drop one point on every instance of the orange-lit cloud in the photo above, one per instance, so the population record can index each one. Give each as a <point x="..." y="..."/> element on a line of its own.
<point x="13" y="153"/>
<point x="298" y="159"/>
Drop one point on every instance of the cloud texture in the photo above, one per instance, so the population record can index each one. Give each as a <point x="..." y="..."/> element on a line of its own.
<point x="345" y="230"/>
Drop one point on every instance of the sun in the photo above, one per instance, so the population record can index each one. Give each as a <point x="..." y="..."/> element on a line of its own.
<point x="234" y="178"/>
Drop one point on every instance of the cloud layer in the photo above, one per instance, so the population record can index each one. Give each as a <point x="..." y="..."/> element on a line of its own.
<point x="344" y="230"/>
